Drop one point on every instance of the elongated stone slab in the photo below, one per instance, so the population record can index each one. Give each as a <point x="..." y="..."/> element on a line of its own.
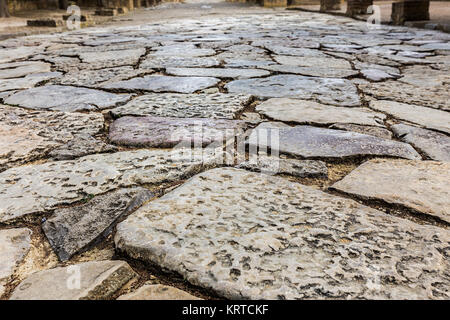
<point x="247" y="235"/>
<point x="420" y="185"/>
<point x="434" y="144"/>
<point x="218" y="72"/>
<point x="66" y="98"/>
<point x="158" y="292"/>
<point x="372" y="131"/>
<point x="151" y="62"/>
<point x="165" y="84"/>
<point x="427" y="117"/>
<point x="313" y="142"/>
<point x="169" y="132"/>
<point x="27" y="82"/>
<point x="42" y="187"/>
<point x="108" y="59"/>
<point x="338" y="92"/>
<point x="98" y="280"/>
<point x="70" y="230"/>
<point x="213" y="105"/>
<point x="21" y="69"/>
<point x="314" y="72"/>
<point x="310" y="112"/>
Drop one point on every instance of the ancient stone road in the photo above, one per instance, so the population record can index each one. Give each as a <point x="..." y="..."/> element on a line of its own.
<point x="91" y="170"/>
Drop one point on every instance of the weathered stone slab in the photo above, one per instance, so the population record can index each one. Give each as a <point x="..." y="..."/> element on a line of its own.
<point x="313" y="62"/>
<point x="435" y="145"/>
<point x="21" y="69"/>
<point x="43" y="187"/>
<point x="372" y="131"/>
<point x="427" y="117"/>
<point x="218" y="72"/>
<point x="254" y="236"/>
<point x="158" y="292"/>
<point x="213" y="105"/>
<point x="27" y="82"/>
<point x="425" y="77"/>
<point x="313" y="142"/>
<point x="99" y="280"/>
<point x="165" y="84"/>
<point x="247" y="62"/>
<point x="14" y="245"/>
<point x="169" y="132"/>
<point x="109" y="59"/>
<point x="315" y="72"/>
<point x="66" y="98"/>
<point x="17" y="52"/>
<point x="338" y="92"/>
<point x="71" y="230"/>
<point x="310" y="112"/>
<point x="151" y="62"/>
<point x="183" y="50"/>
<point x="419" y="185"/>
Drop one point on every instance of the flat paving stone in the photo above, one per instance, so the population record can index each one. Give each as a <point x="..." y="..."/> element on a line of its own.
<point x="21" y="69"/>
<point x="331" y="91"/>
<point x="108" y="59"/>
<point x="419" y="185"/>
<point x="253" y="236"/>
<point x="185" y="50"/>
<point x="73" y="229"/>
<point x="98" y="280"/>
<point x="218" y="72"/>
<point x="434" y="144"/>
<point x="14" y="246"/>
<point x="165" y="84"/>
<point x="43" y="187"/>
<point x="158" y="292"/>
<point x="310" y="112"/>
<point x="27" y="82"/>
<point x="372" y="131"/>
<point x="66" y="98"/>
<point x="314" y="72"/>
<point x="202" y="105"/>
<point x="427" y="117"/>
<point x="151" y="62"/>
<point x="313" y="142"/>
<point x="169" y="132"/>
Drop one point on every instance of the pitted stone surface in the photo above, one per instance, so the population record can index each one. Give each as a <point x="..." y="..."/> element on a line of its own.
<point x="427" y="117"/>
<point x="43" y="187"/>
<point x="327" y="90"/>
<point x="70" y="230"/>
<point x="99" y="280"/>
<point x="170" y="132"/>
<point x="310" y="112"/>
<point x="419" y="185"/>
<point x="165" y="84"/>
<point x="434" y="144"/>
<point x="158" y="292"/>
<point x="218" y="72"/>
<point x="66" y="98"/>
<point x="108" y="59"/>
<point x="218" y="232"/>
<point x="211" y="105"/>
<point x="313" y="142"/>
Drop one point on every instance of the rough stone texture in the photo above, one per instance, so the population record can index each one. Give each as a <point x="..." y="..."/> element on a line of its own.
<point x="218" y="72"/>
<point x="219" y="232"/>
<point x="99" y="280"/>
<point x="211" y="105"/>
<point x="425" y="77"/>
<point x="420" y="185"/>
<point x="31" y="135"/>
<point x="434" y="144"/>
<point x="110" y="59"/>
<point x="14" y="245"/>
<point x="185" y="50"/>
<point x="71" y="230"/>
<point x="169" y="132"/>
<point x="21" y="69"/>
<point x="327" y="90"/>
<point x="158" y="292"/>
<point x="372" y="131"/>
<point x="310" y="112"/>
<point x="376" y="75"/>
<point x="427" y="117"/>
<point x="43" y="187"/>
<point x="315" y="72"/>
<point x="27" y="82"/>
<point x="313" y="142"/>
<point x="151" y="62"/>
<point x="66" y="98"/>
<point x="165" y="84"/>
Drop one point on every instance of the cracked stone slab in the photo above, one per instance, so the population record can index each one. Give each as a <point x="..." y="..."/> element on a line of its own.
<point x="14" y="246"/>
<point x="22" y="69"/>
<point x="315" y="72"/>
<point x="109" y="59"/>
<point x="372" y="131"/>
<point x="332" y="91"/>
<point x="247" y="235"/>
<point x="9" y="54"/>
<point x="99" y="280"/>
<point x="427" y="117"/>
<point x="425" y="77"/>
<point x="419" y="185"/>
<point x="310" y="112"/>
<point x="183" y="50"/>
<point x="151" y="62"/>
<point x="66" y="98"/>
<point x="158" y="292"/>
<point x="157" y="83"/>
<point x="71" y="230"/>
<point x="169" y="132"/>
<point x="43" y="187"/>
<point x="178" y="105"/>
<point x="314" y="142"/>
<point x="434" y="144"/>
<point x="27" y="82"/>
<point x="30" y="135"/>
<point x="218" y="72"/>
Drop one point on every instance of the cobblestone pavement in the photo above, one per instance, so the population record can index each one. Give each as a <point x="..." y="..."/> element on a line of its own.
<point x="128" y="158"/>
